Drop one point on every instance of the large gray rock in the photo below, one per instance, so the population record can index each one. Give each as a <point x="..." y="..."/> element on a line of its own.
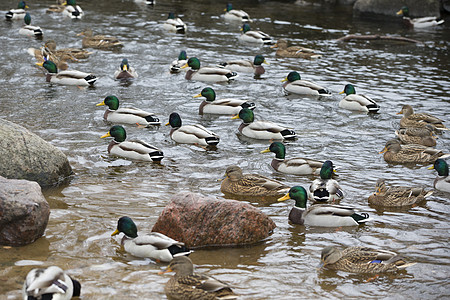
<point x="24" y="212"/>
<point x="24" y="155"/>
<point x="417" y="8"/>
<point x="201" y="221"/>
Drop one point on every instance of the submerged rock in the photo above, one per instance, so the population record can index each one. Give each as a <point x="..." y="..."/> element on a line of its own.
<point x="417" y="8"/>
<point x="24" y="212"/>
<point x="24" y="155"/>
<point x="200" y="221"/>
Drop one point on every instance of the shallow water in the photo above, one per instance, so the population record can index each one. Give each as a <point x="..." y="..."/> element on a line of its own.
<point x="85" y="212"/>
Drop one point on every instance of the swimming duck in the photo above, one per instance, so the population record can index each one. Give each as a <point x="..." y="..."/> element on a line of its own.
<point x="148" y="2"/>
<point x="72" y="53"/>
<point x="246" y="66"/>
<point x="154" y="245"/>
<point x="69" y="77"/>
<point x="411" y="119"/>
<point x="396" y="153"/>
<point x="397" y="196"/>
<point x="323" y="215"/>
<point x="50" y="283"/>
<point x="59" y="7"/>
<point x="423" y="22"/>
<point x="406" y="136"/>
<point x="442" y="182"/>
<point x="294" y="84"/>
<point x="28" y="29"/>
<point x="125" y="71"/>
<point x="17" y="13"/>
<point x="72" y="10"/>
<point x="185" y="284"/>
<point x="236" y="14"/>
<point x="131" y="115"/>
<point x="326" y="189"/>
<point x="191" y="134"/>
<point x="209" y="74"/>
<point x="238" y="184"/>
<point x="254" y="36"/>
<point x="357" y="102"/>
<point x="223" y="106"/>
<point x="261" y="130"/>
<point x="134" y="149"/>
<point x="173" y="24"/>
<point x="99" y="41"/>
<point x="296" y="166"/>
<point x="293" y="51"/>
<point x="362" y="260"/>
<point x="175" y="66"/>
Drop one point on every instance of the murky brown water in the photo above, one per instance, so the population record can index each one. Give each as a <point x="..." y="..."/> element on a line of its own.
<point x="85" y="212"/>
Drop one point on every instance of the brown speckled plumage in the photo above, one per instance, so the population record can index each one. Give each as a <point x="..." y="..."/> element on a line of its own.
<point x="411" y="119"/>
<point x="397" y="196"/>
<point x="394" y="152"/>
<point x="293" y="51"/>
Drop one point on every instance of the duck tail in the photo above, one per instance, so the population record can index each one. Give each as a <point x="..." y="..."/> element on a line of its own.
<point x="231" y="75"/>
<point x="439" y="21"/>
<point x="179" y="250"/>
<point x="249" y="105"/>
<point x="212" y="140"/>
<point x="428" y="194"/>
<point x="288" y="134"/>
<point x="152" y="120"/>
<point x="90" y="79"/>
<point x="399" y="262"/>
<point x="361" y="218"/>
<point x="222" y="65"/>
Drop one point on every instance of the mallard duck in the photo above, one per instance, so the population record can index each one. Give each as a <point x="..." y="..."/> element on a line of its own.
<point x="72" y="10"/>
<point x="236" y="14"/>
<point x="131" y="115"/>
<point x="294" y="84"/>
<point x="238" y="184"/>
<point x="28" y="29"/>
<point x="418" y="22"/>
<point x="70" y="77"/>
<point x="56" y="8"/>
<point x="261" y="130"/>
<point x="191" y="134"/>
<point x="405" y="137"/>
<point x="326" y="189"/>
<point x="134" y="149"/>
<point x="357" y="102"/>
<point x="396" y="153"/>
<point x="296" y="166"/>
<point x="17" y="13"/>
<point x="221" y="107"/>
<point x="246" y="66"/>
<point x="209" y="74"/>
<point x="187" y="285"/>
<point x="99" y="41"/>
<point x="154" y="245"/>
<point x="293" y="51"/>
<point x="411" y="119"/>
<point x="125" y="71"/>
<point x="175" y="66"/>
<point x="397" y="196"/>
<point x="72" y="54"/>
<point x="50" y="283"/>
<point x="173" y="24"/>
<point x="323" y="215"/>
<point x="362" y="260"/>
<point x="442" y="182"/>
<point x="254" y="36"/>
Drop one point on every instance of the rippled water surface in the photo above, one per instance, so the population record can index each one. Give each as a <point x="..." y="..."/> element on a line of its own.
<point x="85" y="211"/>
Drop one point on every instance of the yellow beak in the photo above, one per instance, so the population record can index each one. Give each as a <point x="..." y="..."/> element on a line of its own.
<point x="125" y="67"/>
<point x="235" y="117"/>
<point x="40" y="64"/>
<point x="284" y="198"/>
<point x="106" y="135"/>
<point x="265" y="62"/>
<point x="285" y="79"/>
<point x="168" y="123"/>
<point x="400" y="12"/>
<point x="431" y="168"/>
<point x="100" y="104"/>
<point x="196" y="96"/>
<point x="265" y="151"/>
<point x="342" y="92"/>
<point x="184" y="66"/>
<point x="115" y="232"/>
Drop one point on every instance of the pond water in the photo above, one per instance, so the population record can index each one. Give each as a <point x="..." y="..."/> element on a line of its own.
<point x="84" y="212"/>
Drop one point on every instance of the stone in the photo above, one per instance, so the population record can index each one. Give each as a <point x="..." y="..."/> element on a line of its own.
<point x="200" y="221"/>
<point x="417" y="8"/>
<point x="24" y="212"/>
<point x="24" y="155"/>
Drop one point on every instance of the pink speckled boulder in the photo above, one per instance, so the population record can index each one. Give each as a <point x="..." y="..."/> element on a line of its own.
<point x="201" y="221"/>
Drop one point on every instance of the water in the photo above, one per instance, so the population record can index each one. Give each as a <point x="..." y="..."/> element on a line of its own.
<point x="85" y="212"/>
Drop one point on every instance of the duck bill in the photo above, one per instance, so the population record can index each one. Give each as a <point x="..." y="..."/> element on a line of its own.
<point x="235" y="117"/>
<point x="400" y="12"/>
<point x="106" y="135"/>
<point x="321" y="264"/>
<point x="125" y="68"/>
<point x="274" y="46"/>
<point x="168" y="270"/>
<point x="167" y="124"/>
<point x="265" y="151"/>
<point x="265" y="62"/>
<point x="383" y="151"/>
<point x="284" y="198"/>
<point x="184" y="66"/>
<point x="285" y="79"/>
<point x="41" y="64"/>
<point x="115" y="232"/>
<point x="431" y="168"/>
<point x="100" y="104"/>
<point x="196" y="96"/>
<point x="341" y="92"/>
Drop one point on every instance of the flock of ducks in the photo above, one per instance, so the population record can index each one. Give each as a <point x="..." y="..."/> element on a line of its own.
<point x="415" y="138"/>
